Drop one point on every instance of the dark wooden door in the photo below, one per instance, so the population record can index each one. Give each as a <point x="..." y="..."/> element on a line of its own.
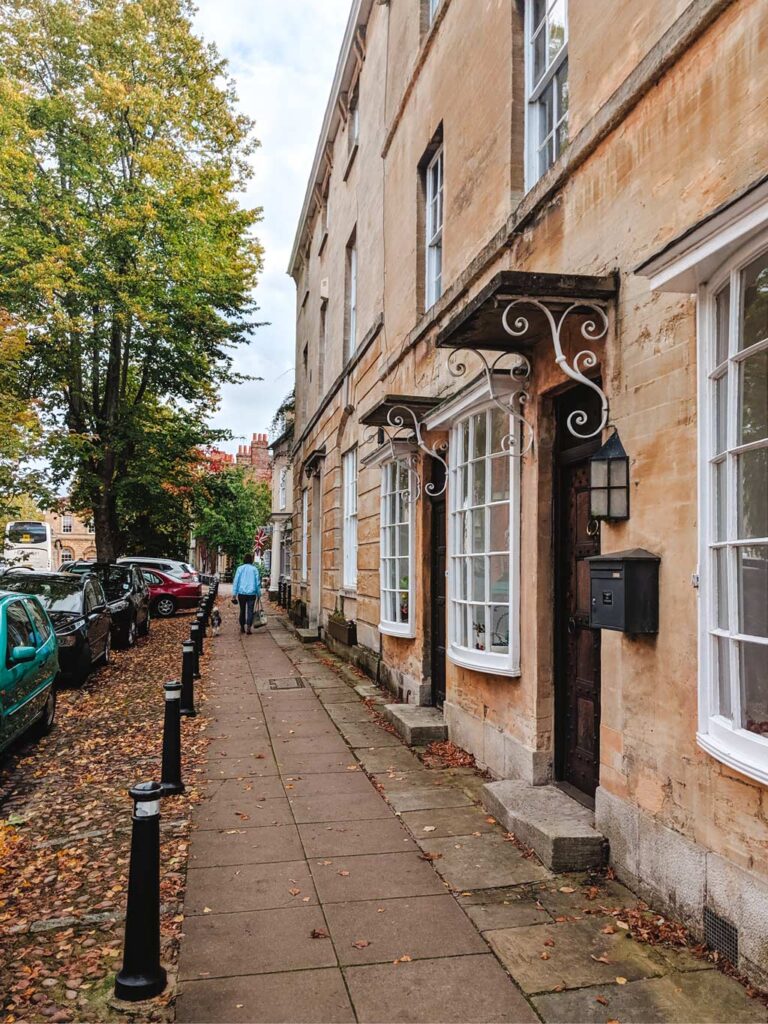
<point x="438" y="588"/>
<point x="577" y="646"/>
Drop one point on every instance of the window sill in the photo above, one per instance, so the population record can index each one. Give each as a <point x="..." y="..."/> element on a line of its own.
<point x="738" y="749"/>
<point x="402" y="630"/>
<point x="350" y="161"/>
<point x="484" y="661"/>
<point x="350" y="592"/>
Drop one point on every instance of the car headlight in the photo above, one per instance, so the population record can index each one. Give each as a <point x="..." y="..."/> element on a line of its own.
<point x="68" y="640"/>
<point x="119" y="606"/>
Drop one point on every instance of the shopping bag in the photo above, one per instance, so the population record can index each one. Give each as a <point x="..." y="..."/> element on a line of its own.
<point x="260" y="616"/>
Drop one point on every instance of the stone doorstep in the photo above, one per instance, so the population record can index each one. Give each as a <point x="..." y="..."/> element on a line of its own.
<point x="557" y="828"/>
<point x="416" y="725"/>
<point x="307" y="636"/>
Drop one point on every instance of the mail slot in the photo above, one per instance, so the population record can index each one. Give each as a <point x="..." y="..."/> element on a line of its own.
<point x="624" y="591"/>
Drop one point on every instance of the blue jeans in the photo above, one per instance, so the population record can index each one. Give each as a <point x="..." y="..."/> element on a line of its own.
<point x="247" y="602"/>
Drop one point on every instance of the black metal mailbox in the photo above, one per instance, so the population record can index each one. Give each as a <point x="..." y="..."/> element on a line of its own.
<point x="624" y="591"/>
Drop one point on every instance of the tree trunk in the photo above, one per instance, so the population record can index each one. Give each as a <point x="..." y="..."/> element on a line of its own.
<point x="105" y="521"/>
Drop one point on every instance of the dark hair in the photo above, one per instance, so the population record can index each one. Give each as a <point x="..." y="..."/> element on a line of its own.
<point x="248" y="559"/>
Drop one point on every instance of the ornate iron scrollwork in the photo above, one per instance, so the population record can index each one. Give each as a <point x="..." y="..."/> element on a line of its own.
<point x="591" y="330"/>
<point x="512" y="403"/>
<point x="396" y="418"/>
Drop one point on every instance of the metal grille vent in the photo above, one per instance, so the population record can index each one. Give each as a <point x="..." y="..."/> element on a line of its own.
<point x="287" y="683"/>
<point x="721" y="935"/>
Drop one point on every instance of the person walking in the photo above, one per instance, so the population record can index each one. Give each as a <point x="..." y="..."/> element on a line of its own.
<point x="246" y="587"/>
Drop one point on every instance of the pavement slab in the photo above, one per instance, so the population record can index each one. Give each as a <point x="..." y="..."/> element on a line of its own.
<point x="242" y="813"/>
<point x="240" y="887"/>
<point x="375" y="876"/>
<point x="462" y="989"/>
<point x="221" y="847"/>
<point x="448" y="821"/>
<point x="338" y="807"/>
<point x="486" y="861"/>
<point x="349" y="838"/>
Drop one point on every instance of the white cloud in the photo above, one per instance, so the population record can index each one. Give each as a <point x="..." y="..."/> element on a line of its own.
<point x="282" y="55"/>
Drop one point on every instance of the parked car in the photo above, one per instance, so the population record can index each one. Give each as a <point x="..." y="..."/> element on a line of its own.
<point x="170" y="566"/>
<point x="127" y="594"/>
<point x="168" y="593"/>
<point x="77" y="607"/>
<point x="28" y="668"/>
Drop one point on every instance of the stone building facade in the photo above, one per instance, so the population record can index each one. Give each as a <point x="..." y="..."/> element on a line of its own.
<point x="254" y="458"/>
<point x="72" y="536"/>
<point x="532" y="230"/>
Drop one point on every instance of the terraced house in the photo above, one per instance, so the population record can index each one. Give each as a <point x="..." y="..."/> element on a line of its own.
<point x="530" y="461"/>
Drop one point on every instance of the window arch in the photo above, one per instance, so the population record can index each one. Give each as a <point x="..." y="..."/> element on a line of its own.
<point x="67" y="555"/>
<point x="733" y="512"/>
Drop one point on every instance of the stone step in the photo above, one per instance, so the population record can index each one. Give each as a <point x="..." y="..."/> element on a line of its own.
<point x="557" y="828"/>
<point x="370" y="692"/>
<point x="307" y="636"/>
<point x="416" y="725"/>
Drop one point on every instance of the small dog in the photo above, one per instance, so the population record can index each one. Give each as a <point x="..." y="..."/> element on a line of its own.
<point x="216" y="621"/>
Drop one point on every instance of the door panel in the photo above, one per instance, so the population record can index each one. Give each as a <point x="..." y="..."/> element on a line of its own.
<point x="577" y="646"/>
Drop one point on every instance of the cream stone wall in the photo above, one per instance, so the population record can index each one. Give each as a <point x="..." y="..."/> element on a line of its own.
<point x="690" y="141"/>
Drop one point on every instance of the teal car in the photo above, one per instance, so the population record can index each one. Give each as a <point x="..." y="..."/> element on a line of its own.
<point x="29" y="664"/>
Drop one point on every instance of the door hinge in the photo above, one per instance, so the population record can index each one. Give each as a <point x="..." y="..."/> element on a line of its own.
<point x="695" y="580"/>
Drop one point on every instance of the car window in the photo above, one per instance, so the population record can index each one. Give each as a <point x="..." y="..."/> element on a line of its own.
<point x="98" y="591"/>
<point x="39" y="621"/>
<point x="56" y="593"/>
<point x="20" y="630"/>
<point x="90" y="597"/>
<point x="151" y="578"/>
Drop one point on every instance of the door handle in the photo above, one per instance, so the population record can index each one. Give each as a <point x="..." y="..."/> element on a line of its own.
<point x="571" y="624"/>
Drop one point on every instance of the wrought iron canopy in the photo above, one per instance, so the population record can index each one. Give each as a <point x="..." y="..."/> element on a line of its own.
<point x="479" y="324"/>
<point x="417" y="405"/>
<point x="311" y="465"/>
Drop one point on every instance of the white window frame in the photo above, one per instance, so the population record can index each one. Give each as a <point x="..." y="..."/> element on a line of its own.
<point x="304" y="534"/>
<point x="721" y="736"/>
<point x="432" y="9"/>
<point x="536" y="91"/>
<point x="351" y="297"/>
<point x="391" y="480"/>
<point x="67" y="555"/>
<point x="349" y="526"/>
<point x="282" y="489"/>
<point x="67" y="523"/>
<point x="433" y="222"/>
<point x="453" y="413"/>
<point x="353" y="137"/>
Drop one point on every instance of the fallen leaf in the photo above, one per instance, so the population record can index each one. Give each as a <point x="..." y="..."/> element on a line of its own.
<point x="344" y="874"/>
<point x="549" y="942"/>
<point x="543" y="955"/>
<point x="207" y="910"/>
<point x="621" y="981"/>
<point x="429" y="828"/>
<point x="361" y="943"/>
<point x="295" y="892"/>
<point x="319" y="933"/>
<point x="623" y="924"/>
<point x="602" y="1000"/>
<point x="430" y="856"/>
<point x="405" y="959"/>
<point x="608" y="930"/>
<point x="491" y="821"/>
<point x="602" y="959"/>
<point x="566" y="888"/>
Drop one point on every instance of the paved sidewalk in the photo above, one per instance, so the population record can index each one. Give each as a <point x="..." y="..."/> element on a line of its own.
<point x="312" y="898"/>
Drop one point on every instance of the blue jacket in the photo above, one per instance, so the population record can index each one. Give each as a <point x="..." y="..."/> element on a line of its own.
<point x="247" y="581"/>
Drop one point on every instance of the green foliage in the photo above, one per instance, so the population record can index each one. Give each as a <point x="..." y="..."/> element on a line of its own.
<point x="229" y="509"/>
<point x="122" y="245"/>
<point x="19" y="427"/>
<point x="284" y="416"/>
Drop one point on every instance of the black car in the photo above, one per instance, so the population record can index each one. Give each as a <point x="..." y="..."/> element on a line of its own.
<point x="127" y="596"/>
<point x="77" y="607"/>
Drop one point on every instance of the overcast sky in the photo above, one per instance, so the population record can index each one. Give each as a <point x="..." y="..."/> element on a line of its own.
<point x="282" y="55"/>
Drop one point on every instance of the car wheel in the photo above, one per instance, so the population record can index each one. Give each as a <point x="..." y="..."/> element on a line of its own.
<point x="104" y="659"/>
<point x="131" y="633"/>
<point x="165" y="607"/>
<point x="83" y="669"/>
<point x="44" y="724"/>
<point x="144" y="627"/>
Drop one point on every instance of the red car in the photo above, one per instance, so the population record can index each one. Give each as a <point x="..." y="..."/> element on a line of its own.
<point x="167" y="594"/>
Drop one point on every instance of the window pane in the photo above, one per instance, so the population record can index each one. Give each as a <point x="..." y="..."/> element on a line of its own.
<point x="478" y="530"/>
<point x="722" y="310"/>
<point x="499" y="429"/>
<point x="477" y="590"/>
<point x="562" y="91"/>
<point x="500" y="628"/>
<point x="720" y="501"/>
<point x="499" y="581"/>
<point x="477" y="623"/>
<point x="723" y="677"/>
<point x="500" y="478"/>
<point x="753" y="660"/>
<point x="402" y="540"/>
<point x="546" y="113"/>
<point x="463" y="527"/>
<point x="499" y="540"/>
<point x="753" y="590"/>
<point x="721" y="413"/>
<point x="556" y="21"/>
<point x="478" y="482"/>
<point x="546" y="157"/>
<point x="721" y="584"/>
<point x="539" y="10"/>
<point x="618" y="498"/>
<point x="479" y="437"/>
<point x="753" y="493"/>
<point x="539" y="54"/>
<point x="598" y="501"/>
<point x="464" y="441"/>
<point x="753" y="392"/>
<point x="459" y="579"/>
<point x="754" y="282"/>
<point x="460" y="624"/>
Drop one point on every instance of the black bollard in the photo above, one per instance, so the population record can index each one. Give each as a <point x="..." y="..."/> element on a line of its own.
<point x="187" y="679"/>
<point x="141" y="976"/>
<point x="170" y="779"/>
<point x="200" y="633"/>
<point x="194" y="631"/>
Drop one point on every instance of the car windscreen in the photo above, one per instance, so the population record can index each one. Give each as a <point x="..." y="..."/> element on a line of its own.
<point x="187" y="568"/>
<point x="57" y="595"/>
<point x="27" y="533"/>
<point x="116" y="581"/>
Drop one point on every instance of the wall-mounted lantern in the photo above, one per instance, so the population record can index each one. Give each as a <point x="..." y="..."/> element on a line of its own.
<point x="609" y="481"/>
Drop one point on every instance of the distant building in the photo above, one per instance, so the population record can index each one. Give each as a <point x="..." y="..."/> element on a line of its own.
<point x="254" y="458"/>
<point x="72" y="536"/>
<point x="281" y="519"/>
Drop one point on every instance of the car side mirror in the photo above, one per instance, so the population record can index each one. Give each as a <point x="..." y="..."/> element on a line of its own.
<point x="22" y="653"/>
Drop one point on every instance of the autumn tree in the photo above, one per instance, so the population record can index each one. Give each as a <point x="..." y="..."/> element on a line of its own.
<point x="122" y="244"/>
<point x="229" y="509"/>
<point x="19" y="427"/>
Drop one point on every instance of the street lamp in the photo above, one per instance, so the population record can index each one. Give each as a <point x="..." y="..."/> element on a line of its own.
<point x="609" y="481"/>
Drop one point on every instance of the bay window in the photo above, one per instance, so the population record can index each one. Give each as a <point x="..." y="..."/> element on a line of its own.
<point x="397" y="554"/>
<point x="734" y="513"/>
<point x="349" y="472"/>
<point x="483" y="544"/>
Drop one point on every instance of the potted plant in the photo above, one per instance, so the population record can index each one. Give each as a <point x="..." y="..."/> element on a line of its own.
<point x="341" y="629"/>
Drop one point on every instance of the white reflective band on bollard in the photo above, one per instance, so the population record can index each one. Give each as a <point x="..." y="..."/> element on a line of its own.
<point x="147" y="808"/>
